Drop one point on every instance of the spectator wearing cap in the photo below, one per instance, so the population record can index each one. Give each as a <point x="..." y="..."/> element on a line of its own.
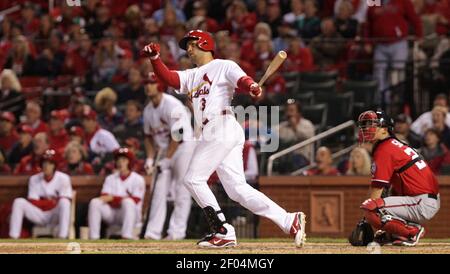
<point x="133" y="89"/>
<point x="8" y="134"/>
<point x="296" y="129"/>
<point x="299" y="57"/>
<point x="105" y="103"/>
<point x="132" y="127"/>
<point x="31" y="164"/>
<point x="33" y="113"/>
<point x="75" y="163"/>
<point x="57" y="134"/>
<point x="329" y="47"/>
<point x="402" y="124"/>
<point x="4" y="166"/>
<point x="11" y="98"/>
<point x="23" y="147"/>
<point x="346" y="26"/>
<point x="76" y="134"/>
<point x="100" y="141"/>
<point x="425" y="121"/>
<point x="324" y="164"/>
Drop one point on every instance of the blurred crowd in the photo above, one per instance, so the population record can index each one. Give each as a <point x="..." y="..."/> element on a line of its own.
<point x="93" y="53"/>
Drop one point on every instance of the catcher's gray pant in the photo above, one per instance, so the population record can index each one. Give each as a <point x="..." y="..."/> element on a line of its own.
<point x="127" y="216"/>
<point x="220" y="150"/>
<point x="181" y="196"/>
<point x="59" y="216"/>
<point x="417" y="209"/>
<point x="388" y="56"/>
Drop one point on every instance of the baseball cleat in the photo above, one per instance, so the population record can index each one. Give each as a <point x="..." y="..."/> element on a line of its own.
<point x="212" y="241"/>
<point x="411" y="241"/>
<point x="220" y="240"/>
<point x="298" y="229"/>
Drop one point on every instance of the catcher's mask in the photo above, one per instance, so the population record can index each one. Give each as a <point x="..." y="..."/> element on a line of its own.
<point x="369" y="121"/>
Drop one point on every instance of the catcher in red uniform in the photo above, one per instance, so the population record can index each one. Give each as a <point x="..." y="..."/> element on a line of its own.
<point x="415" y="194"/>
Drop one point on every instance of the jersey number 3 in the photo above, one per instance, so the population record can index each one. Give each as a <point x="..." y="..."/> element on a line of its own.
<point x="411" y="152"/>
<point x="203" y="104"/>
<point x="420" y="164"/>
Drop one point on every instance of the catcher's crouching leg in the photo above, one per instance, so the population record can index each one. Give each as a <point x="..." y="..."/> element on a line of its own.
<point x="391" y="224"/>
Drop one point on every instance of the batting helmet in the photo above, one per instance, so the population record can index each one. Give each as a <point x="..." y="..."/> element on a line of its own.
<point x="205" y="40"/>
<point x="50" y="156"/>
<point x="124" y="152"/>
<point x="369" y="121"/>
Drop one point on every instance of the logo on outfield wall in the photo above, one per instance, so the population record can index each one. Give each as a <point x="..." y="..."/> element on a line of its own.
<point x="373" y="3"/>
<point x="73" y="3"/>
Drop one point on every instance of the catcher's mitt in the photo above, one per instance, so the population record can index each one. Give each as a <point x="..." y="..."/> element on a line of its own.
<point x="362" y="235"/>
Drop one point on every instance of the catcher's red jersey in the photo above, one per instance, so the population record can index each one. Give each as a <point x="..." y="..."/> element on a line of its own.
<point x="389" y="156"/>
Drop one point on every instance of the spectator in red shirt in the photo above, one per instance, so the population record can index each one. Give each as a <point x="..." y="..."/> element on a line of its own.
<point x="324" y="163"/>
<point x="57" y="134"/>
<point x="389" y="23"/>
<point x="299" y="58"/>
<point x="8" y="134"/>
<point x="79" y="60"/>
<point x="247" y="48"/>
<point x="233" y="53"/>
<point x="75" y="164"/>
<point x="31" y="164"/>
<point x="33" y="113"/>
<point x="239" y="21"/>
<point x="28" y="19"/>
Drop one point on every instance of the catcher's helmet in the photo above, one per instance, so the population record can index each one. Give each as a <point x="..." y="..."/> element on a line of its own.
<point x="205" y="40"/>
<point x="50" y="156"/>
<point x="369" y="121"/>
<point x="124" y="152"/>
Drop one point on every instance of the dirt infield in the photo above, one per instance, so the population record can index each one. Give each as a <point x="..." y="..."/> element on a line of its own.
<point x="272" y="246"/>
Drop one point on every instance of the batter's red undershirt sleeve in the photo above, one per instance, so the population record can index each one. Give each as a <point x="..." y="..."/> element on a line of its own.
<point x="169" y="77"/>
<point x="244" y="84"/>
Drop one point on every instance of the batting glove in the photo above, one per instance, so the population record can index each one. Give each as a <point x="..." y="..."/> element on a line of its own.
<point x="255" y="90"/>
<point x="165" y="164"/>
<point x="152" y="51"/>
<point x="149" y="166"/>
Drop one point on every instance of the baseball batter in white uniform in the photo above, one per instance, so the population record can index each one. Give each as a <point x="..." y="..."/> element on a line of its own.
<point x="120" y="202"/>
<point x="48" y="201"/>
<point x="210" y="86"/>
<point x="167" y="126"/>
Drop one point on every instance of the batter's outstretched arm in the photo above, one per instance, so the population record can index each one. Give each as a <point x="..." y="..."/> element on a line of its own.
<point x="168" y="77"/>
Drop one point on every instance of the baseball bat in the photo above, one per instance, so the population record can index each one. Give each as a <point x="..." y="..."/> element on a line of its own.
<point x="273" y="66"/>
<point x="156" y="171"/>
